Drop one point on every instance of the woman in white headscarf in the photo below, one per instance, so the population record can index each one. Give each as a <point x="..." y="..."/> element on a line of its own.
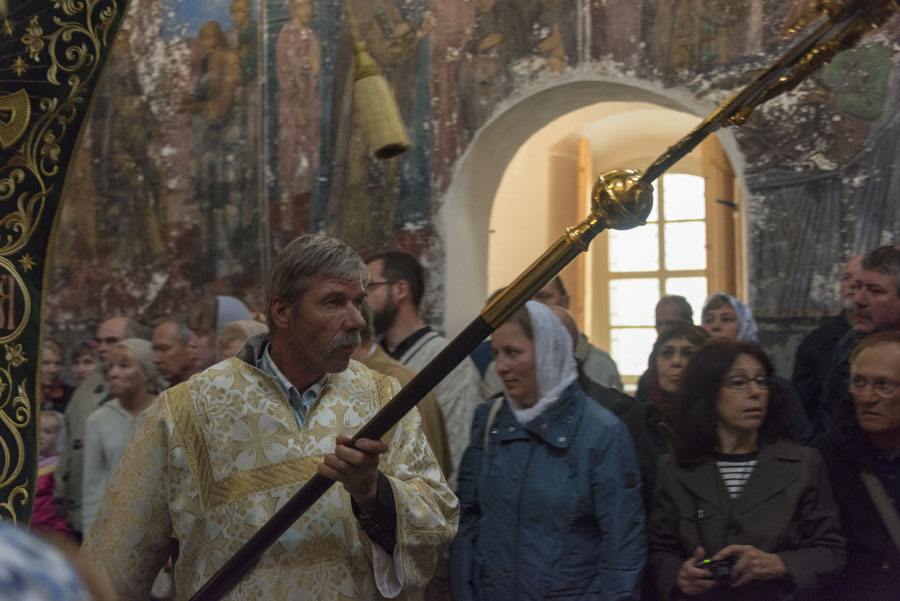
<point x="724" y="316"/>
<point x="549" y="486"/>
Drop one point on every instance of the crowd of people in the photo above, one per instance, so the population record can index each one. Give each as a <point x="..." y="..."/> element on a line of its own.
<point x="718" y="479"/>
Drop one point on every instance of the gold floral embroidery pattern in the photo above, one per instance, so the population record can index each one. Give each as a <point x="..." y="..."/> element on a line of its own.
<point x="33" y="39"/>
<point x="322" y="556"/>
<point x="216" y="492"/>
<point x="55" y="50"/>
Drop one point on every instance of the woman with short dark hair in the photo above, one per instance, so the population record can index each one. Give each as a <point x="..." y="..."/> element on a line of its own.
<point x="740" y="510"/>
<point x="650" y="420"/>
<point x="726" y="317"/>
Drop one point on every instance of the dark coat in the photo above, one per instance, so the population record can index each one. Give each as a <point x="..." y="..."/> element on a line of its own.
<point x="836" y="406"/>
<point x="551" y="509"/>
<point x="873" y="562"/>
<point x="813" y="359"/>
<point x="611" y="399"/>
<point x="652" y="439"/>
<point x="786" y="507"/>
<point x="800" y="428"/>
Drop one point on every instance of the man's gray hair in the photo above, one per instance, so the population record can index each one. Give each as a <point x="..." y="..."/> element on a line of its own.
<point x="886" y="261"/>
<point x="305" y="257"/>
<point x="182" y="331"/>
<point x="684" y="307"/>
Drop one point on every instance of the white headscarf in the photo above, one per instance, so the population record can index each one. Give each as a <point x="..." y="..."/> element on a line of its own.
<point x="749" y="332"/>
<point x="554" y="361"/>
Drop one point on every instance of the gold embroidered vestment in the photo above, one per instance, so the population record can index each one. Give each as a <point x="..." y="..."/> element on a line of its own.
<point x="222" y="452"/>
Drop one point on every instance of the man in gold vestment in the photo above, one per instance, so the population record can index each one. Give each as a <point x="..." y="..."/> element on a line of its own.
<point x="224" y="450"/>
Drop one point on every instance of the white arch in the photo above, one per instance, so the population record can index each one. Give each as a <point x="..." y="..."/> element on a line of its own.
<point x="466" y="206"/>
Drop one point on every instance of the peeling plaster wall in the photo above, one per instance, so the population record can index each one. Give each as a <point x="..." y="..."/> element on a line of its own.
<point x="218" y="134"/>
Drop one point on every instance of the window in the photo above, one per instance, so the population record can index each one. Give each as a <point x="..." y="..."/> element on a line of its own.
<point x="666" y="256"/>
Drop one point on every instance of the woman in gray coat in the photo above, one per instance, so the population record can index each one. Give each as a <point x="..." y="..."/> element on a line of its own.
<point x="740" y="511"/>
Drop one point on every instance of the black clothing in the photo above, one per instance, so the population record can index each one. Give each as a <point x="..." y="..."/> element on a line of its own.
<point x="813" y="358"/>
<point x="611" y="399"/>
<point x="645" y="386"/>
<point x="652" y="439"/>
<point x="836" y="406"/>
<point x="406" y="343"/>
<point x="873" y="561"/>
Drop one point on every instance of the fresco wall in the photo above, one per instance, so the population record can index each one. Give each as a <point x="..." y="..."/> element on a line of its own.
<point x="224" y="128"/>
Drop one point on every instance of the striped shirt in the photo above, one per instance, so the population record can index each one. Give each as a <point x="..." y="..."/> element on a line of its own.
<point x="735" y="471"/>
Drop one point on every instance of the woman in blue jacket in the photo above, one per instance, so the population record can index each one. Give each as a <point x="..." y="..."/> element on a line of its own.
<point x="549" y="485"/>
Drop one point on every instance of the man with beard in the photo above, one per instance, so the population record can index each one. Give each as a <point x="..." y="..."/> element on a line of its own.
<point x="233" y="443"/>
<point x="814" y="353"/>
<point x="396" y="288"/>
<point x="373" y="356"/>
<point x="877" y="306"/>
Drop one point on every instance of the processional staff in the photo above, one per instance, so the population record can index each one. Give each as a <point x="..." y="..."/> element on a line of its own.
<point x="621" y="200"/>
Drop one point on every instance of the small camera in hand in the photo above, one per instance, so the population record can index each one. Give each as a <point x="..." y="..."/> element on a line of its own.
<point x="720" y="568"/>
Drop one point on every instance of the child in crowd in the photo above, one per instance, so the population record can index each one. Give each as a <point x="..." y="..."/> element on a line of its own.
<point x="55" y="393"/>
<point x="51" y="438"/>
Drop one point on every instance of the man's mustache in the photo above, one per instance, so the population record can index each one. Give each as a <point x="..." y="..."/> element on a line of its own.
<point x="350" y="339"/>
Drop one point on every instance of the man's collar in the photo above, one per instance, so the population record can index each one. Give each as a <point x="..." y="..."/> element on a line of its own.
<point x="268" y="365"/>
<point x="253" y="349"/>
<point x="406" y="343"/>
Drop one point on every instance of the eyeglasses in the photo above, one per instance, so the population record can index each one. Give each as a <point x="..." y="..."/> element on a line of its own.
<point x="883" y="387"/>
<point x="373" y="285"/>
<point x="743" y="382"/>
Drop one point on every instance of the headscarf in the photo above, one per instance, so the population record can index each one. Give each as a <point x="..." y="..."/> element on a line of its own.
<point x="229" y="309"/>
<point x="554" y="361"/>
<point x="748" y="331"/>
<point x="142" y="351"/>
<point x="242" y="330"/>
<point x="33" y="570"/>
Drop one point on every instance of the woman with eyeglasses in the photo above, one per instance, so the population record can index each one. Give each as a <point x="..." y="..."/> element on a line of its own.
<point x="650" y="419"/>
<point x="740" y="511"/>
<point x="724" y="316"/>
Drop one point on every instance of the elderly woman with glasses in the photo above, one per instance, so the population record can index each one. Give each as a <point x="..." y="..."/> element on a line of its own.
<point x="740" y="511"/>
<point x="650" y="419"/>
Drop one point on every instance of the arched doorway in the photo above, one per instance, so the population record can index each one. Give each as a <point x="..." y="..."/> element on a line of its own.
<point x="499" y="213"/>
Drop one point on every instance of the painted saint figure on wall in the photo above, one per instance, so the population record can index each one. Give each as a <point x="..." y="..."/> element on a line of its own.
<point x="242" y="39"/>
<point x="297" y="65"/>
<point x="219" y="145"/>
<point x="497" y="40"/>
<point x="553" y="34"/>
